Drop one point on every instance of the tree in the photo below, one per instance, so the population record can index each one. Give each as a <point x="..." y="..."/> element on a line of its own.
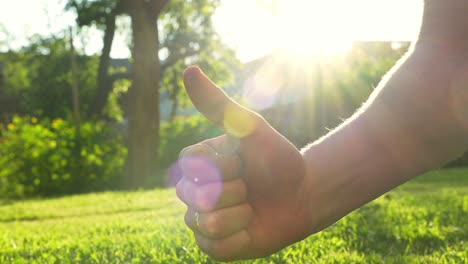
<point x="182" y="33"/>
<point x="39" y="75"/>
<point x="102" y="14"/>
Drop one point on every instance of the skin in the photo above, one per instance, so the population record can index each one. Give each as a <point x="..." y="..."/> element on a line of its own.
<point x="270" y="195"/>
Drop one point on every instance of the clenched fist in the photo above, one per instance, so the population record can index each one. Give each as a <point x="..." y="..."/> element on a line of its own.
<point x="244" y="190"/>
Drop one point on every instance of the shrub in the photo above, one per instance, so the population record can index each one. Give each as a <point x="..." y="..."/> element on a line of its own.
<point x="45" y="157"/>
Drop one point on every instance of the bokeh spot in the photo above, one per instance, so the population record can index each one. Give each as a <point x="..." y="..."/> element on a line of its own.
<point x="196" y="168"/>
<point x="238" y="123"/>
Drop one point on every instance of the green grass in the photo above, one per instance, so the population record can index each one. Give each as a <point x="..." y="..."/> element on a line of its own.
<point x="423" y="221"/>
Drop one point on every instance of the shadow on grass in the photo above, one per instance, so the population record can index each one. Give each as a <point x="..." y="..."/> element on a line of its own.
<point x="384" y="230"/>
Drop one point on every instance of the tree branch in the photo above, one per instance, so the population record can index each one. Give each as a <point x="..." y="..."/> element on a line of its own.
<point x="171" y="60"/>
<point x="156" y="6"/>
<point x="162" y="4"/>
<point x="118" y="76"/>
<point x="125" y="5"/>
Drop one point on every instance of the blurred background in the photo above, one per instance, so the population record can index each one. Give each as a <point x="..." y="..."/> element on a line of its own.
<point x="91" y="91"/>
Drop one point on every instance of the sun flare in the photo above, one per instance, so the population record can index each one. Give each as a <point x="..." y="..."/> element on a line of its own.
<point x="314" y="27"/>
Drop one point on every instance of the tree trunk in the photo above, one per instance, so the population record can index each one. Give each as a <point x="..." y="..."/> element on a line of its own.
<point x="143" y="117"/>
<point x="174" y="97"/>
<point x="104" y="84"/>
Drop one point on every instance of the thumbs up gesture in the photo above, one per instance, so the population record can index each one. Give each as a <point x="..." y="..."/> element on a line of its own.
<point x="246" y="190"/>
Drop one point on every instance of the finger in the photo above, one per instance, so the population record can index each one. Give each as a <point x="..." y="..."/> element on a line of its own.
<point x="226" y="249"/>
<point x="198" y="163"/>
<point x="199" y="149"/>
<point x="220" y="223"/>
<point x="224" y="144"/>
<point x="180" y="189"/>
<point x="202" y="163"/>
<point x="211" y="196"/>
<point x="215" y="105"/>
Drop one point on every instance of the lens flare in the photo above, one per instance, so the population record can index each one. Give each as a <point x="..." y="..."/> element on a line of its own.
<point x="201" y="171"/>
<point x="174" y="174"/>
<point x="238" y="123"/>
<point x="262" y="89"/>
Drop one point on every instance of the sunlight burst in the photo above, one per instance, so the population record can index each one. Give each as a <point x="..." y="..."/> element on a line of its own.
<point x="314" y="27"/>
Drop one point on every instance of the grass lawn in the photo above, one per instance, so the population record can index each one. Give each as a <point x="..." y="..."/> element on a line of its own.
<point x="423" y="221"/>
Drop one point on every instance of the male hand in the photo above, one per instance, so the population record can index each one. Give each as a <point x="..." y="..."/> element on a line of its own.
<point x="245" y="190"/>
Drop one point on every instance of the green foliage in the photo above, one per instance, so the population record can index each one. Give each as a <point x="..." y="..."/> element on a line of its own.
<point x="41" y="74"/>
<point x="186" y="37"/>
<point x="42" y="158"/>
<point x="189" y="38"/>
<point x="92" y="11"/>
<point x="424" y="221"/>
<point x="183" y="132"/>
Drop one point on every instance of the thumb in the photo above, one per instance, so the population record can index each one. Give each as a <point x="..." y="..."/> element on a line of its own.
<point x="216" y="106"/>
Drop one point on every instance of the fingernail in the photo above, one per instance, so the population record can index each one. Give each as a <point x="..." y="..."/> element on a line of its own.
<point x="191" y="72"/>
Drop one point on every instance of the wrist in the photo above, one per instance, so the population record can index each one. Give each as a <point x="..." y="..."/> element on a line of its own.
<point x="337" y="170"/>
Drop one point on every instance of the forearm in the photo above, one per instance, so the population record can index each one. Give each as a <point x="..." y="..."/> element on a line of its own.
<point x="445" y="22"/>
<point x="412" y="123"/>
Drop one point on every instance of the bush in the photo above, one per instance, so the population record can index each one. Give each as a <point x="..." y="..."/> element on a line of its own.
<point x="43" y="158"/>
